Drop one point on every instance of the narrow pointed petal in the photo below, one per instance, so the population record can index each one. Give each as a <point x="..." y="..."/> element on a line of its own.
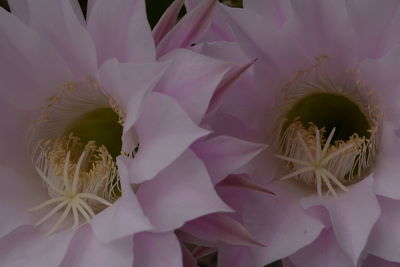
<point x="23" y="246"/>
<point x="85" y="250"/>
<point x="58" y="23"/>
<point x="224" y="154"/>
<point x="224" y="86"/>
<point x="241" y="182"/>
<point x="167" y="20"/>
<point x="125" y="217"/>
<point x="192" y="92"/>
<point x="220" y="228"/>
<point x="189" y="29"/>
<point x="180" y="193"/>
<point x="120" y="30"/>
<point x="372" y="261"/>
<point x="324" y="251"/>
<point x="353" y="215"/>
<point x="165" y="131"/>
<point x="153" y="249"/>
<point x="200" y="251"/>
<point x="187" y="258"/>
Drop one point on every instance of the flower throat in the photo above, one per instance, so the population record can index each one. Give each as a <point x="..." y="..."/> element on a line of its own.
<point x="329" y="133"/>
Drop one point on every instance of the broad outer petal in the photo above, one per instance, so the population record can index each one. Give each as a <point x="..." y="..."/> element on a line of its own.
<point x="384" y="240"/>
<point x="165" y="131"/>
<point x="157" y="249"/>
<point x="125" y="217"/>
<point x="180" y="193"/>
<point x="279" y="222"/>
<point x="276" y="11"/>
<point x="26" y="246"/>
<point x="324" y="251"/>
<point x="85" y="250"/>
<point x="323" y="28"/>
<point x="31" y="70"/>
<point x="192" y="92"/>
<point x="17" y="195"/>
<point x="224" y="154"/>
<point x="120" y="29"/>
<point x="376" y="25"/>
<point x="353" y="215"/>
<point x="57" y="22"/>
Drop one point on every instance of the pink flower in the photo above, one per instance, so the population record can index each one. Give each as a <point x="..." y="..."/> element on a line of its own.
<point x="323" y="94"/>
<point x="96" y="161"/>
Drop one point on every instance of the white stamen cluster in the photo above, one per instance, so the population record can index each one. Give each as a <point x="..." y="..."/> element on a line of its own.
<point x="82" y="186"/>
<point x="318" y="163"/>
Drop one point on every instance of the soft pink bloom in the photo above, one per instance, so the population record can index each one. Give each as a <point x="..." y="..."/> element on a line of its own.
<point x="352" y="43"/>
<point x="56" y="67"/>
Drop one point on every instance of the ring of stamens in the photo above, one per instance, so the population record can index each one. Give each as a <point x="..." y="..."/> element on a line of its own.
<point x="333" y="161"/>
<point x="80" y="175"/>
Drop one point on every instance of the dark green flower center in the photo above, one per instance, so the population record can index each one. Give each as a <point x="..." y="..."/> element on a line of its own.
<point x="100" y="125"/>
<point x="329" y="110"/>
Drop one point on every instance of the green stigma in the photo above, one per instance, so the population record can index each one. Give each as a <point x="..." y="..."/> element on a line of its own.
<point x="329" y="110"/>
<point x="100" y="125"/>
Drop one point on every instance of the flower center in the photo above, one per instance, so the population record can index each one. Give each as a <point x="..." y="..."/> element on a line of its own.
<point x="74" y="146"/>
<point x="329" y="133"/>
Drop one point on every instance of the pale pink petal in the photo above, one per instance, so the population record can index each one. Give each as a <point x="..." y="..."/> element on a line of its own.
<point x="387" y="169"/>
<point x="287" y="263"/>
<point x="192" y="92"/>
<point x="128" y="84"/>
<point x="85" y="250"/>
<point x="384" y="240"/>
<point x="167" y="20"/>
<point x="236" y="256"/>
<point x="278" y="59"/>
<point x="57" y="22"/>
<point x="157" y="249"/>
<point x="322" y="28"/>
<point x="120" y="29"/>
<point x="353" y="215"/>
<point x="181" y="192"/>
<point x="28" y="247"/>
<point x="189" y="29"/>
<point x="223" y="155"/>
<point x="324" y="251"/>
<point x="30" y="67"/>
<point x="277" y="11"/>
<point x="279" y="222"/>
<point x="124" y="218"/>
<point x="381" y="76"/>
<point x="220" y="228"/>
<point x="165" y="131"/>
<point x="18" y="194"/>
<point x="20" y="9"/>
<point x="376" y="25"/>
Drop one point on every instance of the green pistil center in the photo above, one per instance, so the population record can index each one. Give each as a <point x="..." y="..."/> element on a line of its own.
<point x="100" y="125"/>
<point x="330" y="110"/>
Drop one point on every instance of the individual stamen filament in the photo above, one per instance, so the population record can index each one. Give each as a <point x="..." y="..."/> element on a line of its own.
<point x="317" y="163"/>
<point x="69" y="199"/>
